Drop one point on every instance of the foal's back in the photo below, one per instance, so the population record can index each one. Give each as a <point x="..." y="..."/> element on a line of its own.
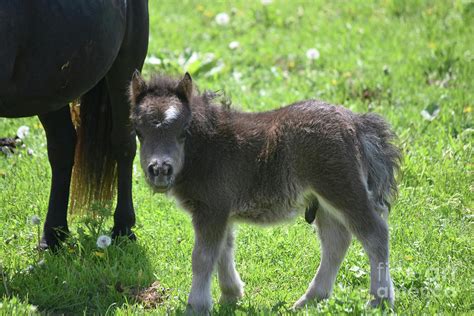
<point x="273" y="163"/>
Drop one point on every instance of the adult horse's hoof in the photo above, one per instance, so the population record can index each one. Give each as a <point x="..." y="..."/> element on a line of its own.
<point x="52" y="238"/>
<point x="123" y="232"/>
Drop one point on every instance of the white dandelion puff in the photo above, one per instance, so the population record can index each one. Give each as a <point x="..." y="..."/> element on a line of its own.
<point x="153" y="60"/>
<point x="103" y="241"/>
<point x="35" y="220"/>
<point x="23" y="131"/>
<point x="266" y="2"/>
<point x="222" y="18"/>
<point x="312" y="54"/>
<point x="429" y="116"/>
<point x="237" y="75"/>
<point x="234" y="45"/>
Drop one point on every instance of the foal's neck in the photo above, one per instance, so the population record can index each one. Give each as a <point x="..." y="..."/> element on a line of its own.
<point x="227" y="129"/>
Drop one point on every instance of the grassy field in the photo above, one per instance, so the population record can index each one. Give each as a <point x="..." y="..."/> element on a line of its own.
<point x="411" y="61"/>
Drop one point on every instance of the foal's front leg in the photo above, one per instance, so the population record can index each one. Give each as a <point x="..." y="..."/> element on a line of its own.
<point x="231" y="285"/>
<point x="209" y="228"/>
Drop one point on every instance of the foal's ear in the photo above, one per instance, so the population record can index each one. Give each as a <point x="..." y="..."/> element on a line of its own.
<point x="137" y="86"/>
<point x="185" y="87"/>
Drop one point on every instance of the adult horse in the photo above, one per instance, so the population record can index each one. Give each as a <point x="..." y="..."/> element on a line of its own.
<point x="57" y="51"/>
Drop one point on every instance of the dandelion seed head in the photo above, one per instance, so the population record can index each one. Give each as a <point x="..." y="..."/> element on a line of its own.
<point x="22" y="132"/>
<point x="35" y="220"/>
<point x="153" y="60"/>
<point x="103" y="241"/>
<point x="312" y="54"/>
<point x="237" y="75"/>
<point x="234" y="45"/>
<point x="222" y="18"/>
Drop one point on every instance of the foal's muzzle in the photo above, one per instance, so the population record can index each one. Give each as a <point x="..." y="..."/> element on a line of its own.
<point x="160" y="174"/>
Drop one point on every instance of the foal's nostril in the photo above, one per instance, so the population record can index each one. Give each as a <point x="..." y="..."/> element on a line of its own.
<point x="166" y="169"/>
<point x="155" y="169"/>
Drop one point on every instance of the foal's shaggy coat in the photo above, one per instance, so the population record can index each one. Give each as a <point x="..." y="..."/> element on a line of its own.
<point x="225" y="166"/>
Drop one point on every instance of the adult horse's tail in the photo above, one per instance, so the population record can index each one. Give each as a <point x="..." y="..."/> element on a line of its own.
<point x="94" y="174"/>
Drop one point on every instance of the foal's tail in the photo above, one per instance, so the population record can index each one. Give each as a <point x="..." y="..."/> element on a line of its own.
<point x="381" y="155"/>
<point x="93" y="182"/>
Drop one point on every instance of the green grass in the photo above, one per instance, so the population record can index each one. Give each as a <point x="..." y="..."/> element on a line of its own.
<point x="396" y="58"/>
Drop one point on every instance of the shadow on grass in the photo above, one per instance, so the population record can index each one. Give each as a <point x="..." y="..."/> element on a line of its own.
<point x="277" y="309"/>
<point x="86" y="279"/>
<point x="237" y="309"/>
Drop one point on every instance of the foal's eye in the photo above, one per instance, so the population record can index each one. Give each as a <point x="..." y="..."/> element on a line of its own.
<point x="182" y="136"/>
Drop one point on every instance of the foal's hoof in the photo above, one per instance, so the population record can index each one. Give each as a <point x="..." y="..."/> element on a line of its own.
<point x="381" y="302"/>
<point x="385" y="298"/>
<point x="300" y="303"/>
<point x="52" y="238"/>
<point x="232" y="294"/>
<point x="197" y="311"/>
<point x="230" y="299"/>
<point x="123" y="232"/>
<point x="310" y="300"/>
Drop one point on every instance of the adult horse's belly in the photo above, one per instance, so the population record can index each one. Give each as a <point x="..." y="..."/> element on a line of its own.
<point x="53" y="51"/>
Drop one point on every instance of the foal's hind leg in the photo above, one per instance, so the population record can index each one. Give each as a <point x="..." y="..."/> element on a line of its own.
<point x="231" y="285"/>
<point x="335" y="239"/>
<point x="372" y="230"/>
<point x="61" y="139"/>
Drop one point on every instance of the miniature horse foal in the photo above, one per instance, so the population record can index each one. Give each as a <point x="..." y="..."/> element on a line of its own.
<point x="225" y="166"/>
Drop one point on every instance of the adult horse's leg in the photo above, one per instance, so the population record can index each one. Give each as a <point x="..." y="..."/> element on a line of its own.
<point x="124" y="148"/>
<point x="61" y="138"/>
<point x="131" y="57"/>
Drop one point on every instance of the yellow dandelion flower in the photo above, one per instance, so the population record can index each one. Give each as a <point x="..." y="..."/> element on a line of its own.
<point x="99" y="254"/>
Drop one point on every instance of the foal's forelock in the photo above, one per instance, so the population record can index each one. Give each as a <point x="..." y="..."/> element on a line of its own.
<point x="171" y="114"/>
<point x="157" y="112"/>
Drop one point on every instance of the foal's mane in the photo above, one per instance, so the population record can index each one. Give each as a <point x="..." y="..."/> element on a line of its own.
<point x="168" y="86"/>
